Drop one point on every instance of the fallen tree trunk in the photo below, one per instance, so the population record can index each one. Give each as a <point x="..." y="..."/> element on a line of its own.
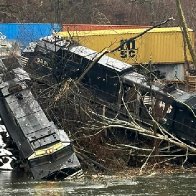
<point x="133" y="126"/>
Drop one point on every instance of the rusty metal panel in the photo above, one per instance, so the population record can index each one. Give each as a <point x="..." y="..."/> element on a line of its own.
<point x="160" y="45"/>
<point x="90" y="27"/>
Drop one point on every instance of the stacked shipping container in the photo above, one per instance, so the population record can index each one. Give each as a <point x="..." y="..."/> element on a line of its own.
<point x="160" y="45"/>
<point x="163" y="47"/>
<point x="93" y="27"/>
<point x="27" y="32"/>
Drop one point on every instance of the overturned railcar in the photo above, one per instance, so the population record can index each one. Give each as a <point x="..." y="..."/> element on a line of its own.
<point x="173" y="108"/>
<point x="45" y="150"/>
<point x="116" y="82"/>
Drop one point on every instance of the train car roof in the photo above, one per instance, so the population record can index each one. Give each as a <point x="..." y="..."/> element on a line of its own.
<point x="107" y="61"/>
<point x="49" y="44"/>
<point x="185" y="98"/>
<point x="139" y="79"/>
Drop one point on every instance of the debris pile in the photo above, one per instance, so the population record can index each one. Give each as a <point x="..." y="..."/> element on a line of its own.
<point x="112" y="111"/>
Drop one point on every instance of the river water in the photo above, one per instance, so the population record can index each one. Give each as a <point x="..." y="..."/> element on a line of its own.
<point x="181" y="184"/>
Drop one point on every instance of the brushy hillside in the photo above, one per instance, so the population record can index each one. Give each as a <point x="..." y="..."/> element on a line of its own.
<point x="145" y="12"/>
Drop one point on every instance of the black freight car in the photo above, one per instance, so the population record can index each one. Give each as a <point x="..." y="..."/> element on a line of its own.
<point x="44" y="149"/>
<point x="114" y="81"/>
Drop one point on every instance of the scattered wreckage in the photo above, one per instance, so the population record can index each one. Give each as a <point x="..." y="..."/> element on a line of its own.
<point x="113" y="81"/>
<point x="45" y="149"/>
<point x="39" y="146"/>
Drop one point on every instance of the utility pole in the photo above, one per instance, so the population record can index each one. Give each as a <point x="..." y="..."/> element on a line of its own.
<point x="185" y="30"/>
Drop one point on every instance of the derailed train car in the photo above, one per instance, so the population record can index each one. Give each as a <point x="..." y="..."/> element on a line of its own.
<point x="44" y="150"/>
<point x="114" y="81"/>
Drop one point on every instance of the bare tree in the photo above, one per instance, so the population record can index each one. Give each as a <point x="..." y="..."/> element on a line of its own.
<point x="185" y="30"/>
